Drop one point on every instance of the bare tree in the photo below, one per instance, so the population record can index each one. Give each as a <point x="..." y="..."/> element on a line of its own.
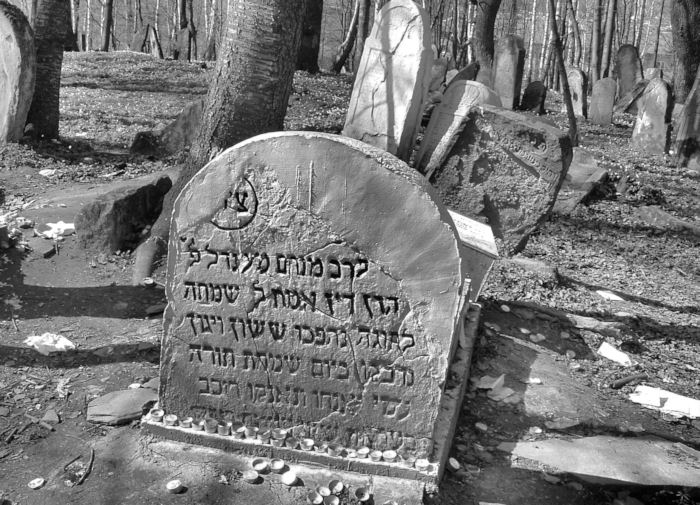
<point x="595" y="41"/>
<point x="685" y="20"/>
<point x="557" y="48"/>
<point x="606" y="63"/>
<point x="482" y="38"/>
<point x="107" y="20"/>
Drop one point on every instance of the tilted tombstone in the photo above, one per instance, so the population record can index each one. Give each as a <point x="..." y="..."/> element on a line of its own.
<point x="392" y="81"/>
<point x="628" y="70"/>
<point x="468" y="73"/>
<point x="508" y="63"/>
<point x="506" y="167"/>
<point x="602" y="101"/>
<point x="687" y="144"/>
<point x="578" y="85"/>
<point x="17" y="70"/>
<point x="447" y="120"/>
<point x="314" y="284"/>
<point x="652" y="129"/>
<point x="628" y="102"/>
<point x="534" y="97"/>
<point x="653" y="73"/>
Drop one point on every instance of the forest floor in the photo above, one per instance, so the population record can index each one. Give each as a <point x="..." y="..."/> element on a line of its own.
<point x="605" y="245"/>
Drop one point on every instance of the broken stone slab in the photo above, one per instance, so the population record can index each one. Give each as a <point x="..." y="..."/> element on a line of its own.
<point x="534" y="97"/>
<point x="656" y="217"/>
<point x="120" y="407"/>
<point x="173" y="138"/>
<point x="505" y="167"/>
<point x="447" y="121"/>
<point x="467" y="73"/>
<point x="667" y="402"/>
<point x="647" y="461"/>
<point x="626" y="102"/>
<point x="392" y="80"/>
<point x="18" y="64"/>
<point x="652" y="129"/>
<point x="582" y="179"/>
<point x="116" y="221"/>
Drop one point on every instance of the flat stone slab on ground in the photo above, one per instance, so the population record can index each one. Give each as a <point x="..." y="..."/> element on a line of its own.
<point x="120" y="407"/>
<point x="647" y="461"/>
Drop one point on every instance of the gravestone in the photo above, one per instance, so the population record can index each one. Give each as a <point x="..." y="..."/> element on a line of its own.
<point x="578" y="84"/>
<point x="628" y="103"/>
<point x="437" y="74"/>
<point x="447" y="120"/>
<point x="392" y="81"/>
<point x="582" y="178"/>
<point x="508" y="63"/>
<point x="628" y="70"/>
<point x="652" y="130"/>
<point x="602" y="101"/>
<point x="174" y="137"/>
<point x="314" y="284"/>
<point x="687" y="145"/>
<point x="534" y="97"/>
<point x="17" y="70"/>
<point x="653" y="73"/>
<point x="506" y="167"/>
<point x="468" y="73"/>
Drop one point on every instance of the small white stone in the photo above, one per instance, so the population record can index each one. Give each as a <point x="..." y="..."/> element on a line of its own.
<point x="481" y="427"/>
<point x="174" y="486"/>
<point x="505" y="308"/>
<point x="570" y="354"/>
<point x="538" y="337"/>
<point x="135" y="385"/>
<point x="36" y="483"/>
<point x="565" y="335"/>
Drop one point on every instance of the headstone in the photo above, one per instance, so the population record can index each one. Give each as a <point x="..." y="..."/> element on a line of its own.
<point x="534" y="97"/>
<point x="315" y="284"/>
<point x="17" y="70"/>
<point x="437" y="74"/>
<point x="175" y="137"/>
<point x="653" y="73"/>
<point x="450" y="75"/>
<point x="392" y="81"/>
<point x="652" y="130"/>
<point x="628" y="70"/>
<point x="505" y="167"/>
<point x="509" y="60"/>
<point x="602" y="101"/>
<point x="447" y="120"/>
<point x="627" y="103"/>
<point x="582" y="178"/>
<point x="468" y="73"/>
<point x="120" y="407"/>
<point x="687" y="144"/>
<point x="578" y="85"/>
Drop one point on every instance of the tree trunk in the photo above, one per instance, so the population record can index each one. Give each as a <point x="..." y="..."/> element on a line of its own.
<point x="685" y="20"/>
<point x="192" y="32"/>
<point x="107" y="20"/>
<point x="558" y="54"/>
<point x="545" y="47"/>
<point x="658" y="32"/>
<point x="643" y="49"/>
<point x="575" y="52"/>
<point x="311" y="37"/>
<point x="52" y="21"/>
<point x="595" y="42"/>
<point x="482" y="38"/>
<point x="182" y="14"/>
<point x="362" y="31"/>
<point x="531" y="42"/>
<point x="155" y="17"/>
<point x="346" y="47"/>
<point x="248" y="95"/>
<point x="74" y="25"/>
<point x="88" y="27"/>
<point x="608" y="42"/>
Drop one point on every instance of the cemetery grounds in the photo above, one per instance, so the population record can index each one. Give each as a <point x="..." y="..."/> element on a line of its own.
<point x="553" y="290"/>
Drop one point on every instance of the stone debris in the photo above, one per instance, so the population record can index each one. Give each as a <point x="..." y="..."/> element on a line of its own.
<point x="481" y="427"/>
<point x="666" y="402"/>
<point x="537" y="338"/>
<point x="47" y="343"/>
<point x="610" y="352"/>
<point x="609" y="295"/>
<point x="120" y="407"/>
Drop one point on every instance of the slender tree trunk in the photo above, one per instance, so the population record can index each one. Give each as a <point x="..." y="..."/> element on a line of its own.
<point x="685" y="21"/>
<point x="608" y="42"/>
<point x="192" y="31"/>
<point x="346" y="47"/>
<point x="107" y="8"/>
<point x="247" y="96"/>
<point x="531" y="42"/>
<point x="658" y="32"/>
<point x="576" y="43"/>
<point x="52" y="22"/>
<point x="544" y="55"/>
<point x="74" y="24"/>
<point x="595" y="41"/>
<point x="556" y="43"/>
<point x="363" y="31"/>
<point x="638" y="40"/>
<point x="155" y="18"/>
<point x="182" y="14"/>
<point x="311" y="37"/>
<point x="643" y="50"/>
<point x="88" y="26"/>
<point x="482" y="39"/>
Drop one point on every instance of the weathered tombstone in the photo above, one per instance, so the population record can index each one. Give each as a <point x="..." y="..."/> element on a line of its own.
<point x="653" y="73"/>
<point x="468" y="73"/>
<point x="506" y="167"/>
<point x="509" y="59"/>
<point x="628" y="70"/>
<point x="582" y="178"/>
<point x="447" y="120"/>
<point x="687" y="144"/>
<point x="602" y="101"/>
<point x="175" y="137"/>
<point x="534" y="97"/>
<point x="392" y="80"/>
<point x="437" y="74"/>
<point x="17" y="70"/>
<point x="578" y="84"/>
<point x="652" y="130"/>
<point x="301" y="299"/>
